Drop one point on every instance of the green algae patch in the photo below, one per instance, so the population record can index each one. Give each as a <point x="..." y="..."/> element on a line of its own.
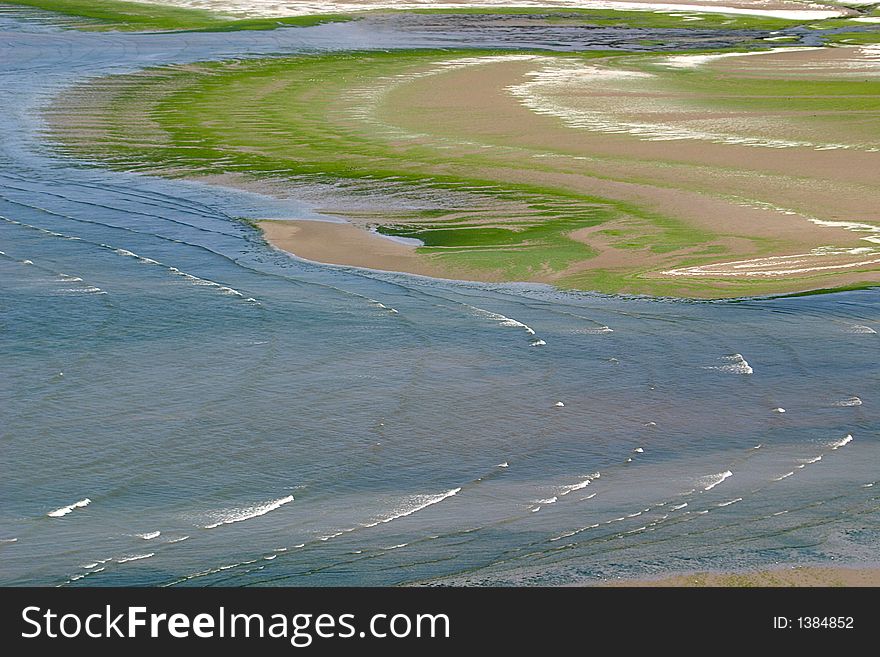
<point x="863" y="37"/>
<point x="141" y="16"/>
<point x="436" y="146"/>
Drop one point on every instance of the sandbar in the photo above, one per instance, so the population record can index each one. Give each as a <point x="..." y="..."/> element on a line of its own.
<point x="778" y="577"/>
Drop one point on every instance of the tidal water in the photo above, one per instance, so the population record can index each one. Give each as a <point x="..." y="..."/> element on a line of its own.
<point x="182" y="405"/>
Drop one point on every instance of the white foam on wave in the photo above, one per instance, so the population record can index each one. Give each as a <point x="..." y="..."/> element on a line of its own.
<point x="729" y="502"/>
<point x="537" y="343"/>
<point x="676" y="507"/>
<point x="849" y="401"/>
<point x="574" y="532"/>
<point x="135" y="557"/>
<point x="785" y="476"/>
<point x="204" y="282"/>
<point x="415" y="504"/>
<point x="736" y="365"/>
<point x="97" y="563"/>
<point x="213" y="571"/>
<point x="507" y="321"/>
<point x="565" y="490"/>
<point x="230" y="516"/>
<point x="504" y="464"/>
<point x="503" y="320"/>
<point x="861" y="329"/>
<point x="335" y="534"/>
<point x="846" y="440"/>
<point x="815" y="459"/>
<point x="178" y="540"/>
<point x="148" y="536"/>
<point x="382" y="306"/>
<point x="85" y="289"/>
<point x="711" y="481"/>
<point x="594" y="331"/>
<point x="549" y="500"/>
<point x="8" y="540"/>
<point x="64" y="510"/>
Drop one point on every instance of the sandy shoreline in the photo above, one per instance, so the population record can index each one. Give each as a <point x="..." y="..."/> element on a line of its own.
<point x="350" y="245"/>
<point x="345" y="244"/>
<point x="685" y="176"/>
<point x="795" y="9"/>
<point x="814" y="246"/>
<point x="791" y="576"/>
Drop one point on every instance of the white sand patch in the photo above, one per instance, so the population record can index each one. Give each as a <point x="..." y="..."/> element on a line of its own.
<point x="854" y="226"/>
<point x="693" y="61"/>
<point x="846" y="60"/>
<point x="612" y="101"/>
<point x="788" y="265"/>
<point x="371" y="96"/>
<point x="269" y="8"/>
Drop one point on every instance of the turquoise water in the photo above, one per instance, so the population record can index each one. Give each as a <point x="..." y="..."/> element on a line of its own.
<point x="180" y="404"/>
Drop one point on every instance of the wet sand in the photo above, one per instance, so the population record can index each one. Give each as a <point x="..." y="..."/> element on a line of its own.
<point x="781" y="577"/>
<point x="692" y="179"/>
<point x="346" y="244"/>
<point x="807" y="198"/>
<point x="777" y="8"/>
<point x="762" y="195"/>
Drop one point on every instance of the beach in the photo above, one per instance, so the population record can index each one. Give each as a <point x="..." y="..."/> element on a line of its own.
<point x="220" y="369"/>
<point x="345" y="244"/>
<point x="792" y="576"/>
<point x="773" y="8"/>
<point x="615" y="173"/>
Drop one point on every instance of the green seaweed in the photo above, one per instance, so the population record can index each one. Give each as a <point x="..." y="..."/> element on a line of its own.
<point x="294" y="118"/>
<point x="128" y="15"/>
<point x="144" y="16"/>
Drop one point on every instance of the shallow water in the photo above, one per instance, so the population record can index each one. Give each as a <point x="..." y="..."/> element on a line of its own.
<point x="183" y="405"/>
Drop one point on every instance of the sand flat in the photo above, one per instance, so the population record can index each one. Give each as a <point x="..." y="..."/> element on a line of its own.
<point x="702" y="175"/>
<point x="344" y="243"/>
<point x="795" y="9"/>
<point x="700" y="179"/>
<point x="780" y="577"/>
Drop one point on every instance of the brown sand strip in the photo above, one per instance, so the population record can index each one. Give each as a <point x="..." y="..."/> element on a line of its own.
<point x="347" y="244"/>
<point x="792" y="576"/>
